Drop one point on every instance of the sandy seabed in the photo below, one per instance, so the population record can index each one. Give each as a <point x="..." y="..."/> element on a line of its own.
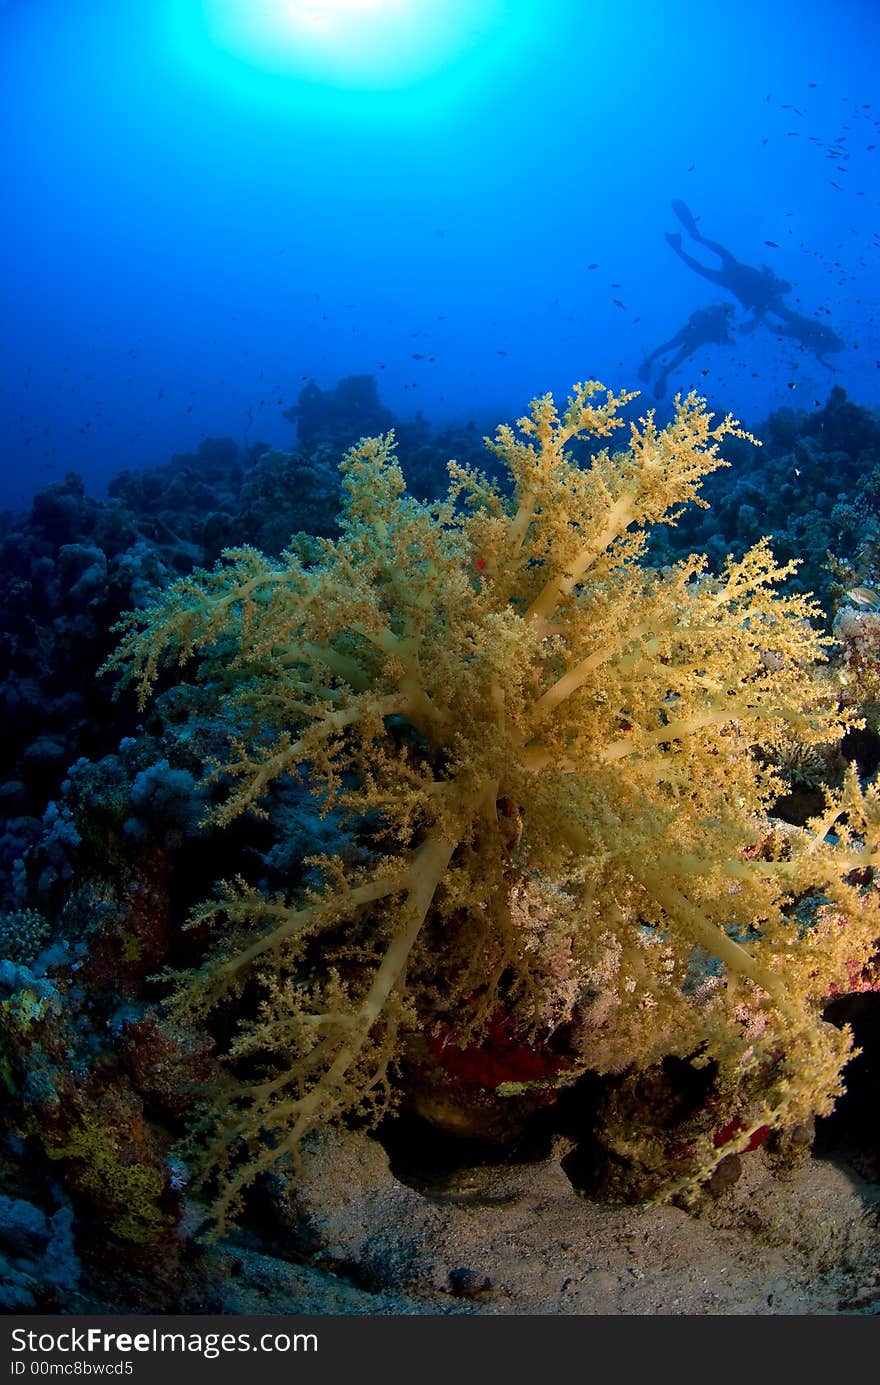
<point x="518" y="1239"/>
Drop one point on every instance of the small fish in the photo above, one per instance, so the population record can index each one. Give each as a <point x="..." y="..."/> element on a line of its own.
<point x="774" y="245"/>
<point x="593" y="266"/>
<point x="617" y="303"/>
<point x="863" y="596"/>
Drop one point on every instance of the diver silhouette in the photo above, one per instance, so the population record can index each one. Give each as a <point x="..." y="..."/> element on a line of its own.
<point x="759" y="290"/>
<point x="812" y="335"/>
<point x="705" y="326"/>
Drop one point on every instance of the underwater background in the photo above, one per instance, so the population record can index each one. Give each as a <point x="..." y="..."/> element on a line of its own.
<point x="239" y="236"/>
<point x="207" y="203"/>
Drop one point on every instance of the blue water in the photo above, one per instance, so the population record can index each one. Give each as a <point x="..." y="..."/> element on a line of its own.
<point x="191" y="231"/>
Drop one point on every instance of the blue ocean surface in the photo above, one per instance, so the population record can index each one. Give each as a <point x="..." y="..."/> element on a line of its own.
<point x="206" y="204"/>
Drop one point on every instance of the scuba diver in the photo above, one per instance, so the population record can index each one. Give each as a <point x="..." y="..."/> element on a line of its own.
<point x="760" y="291"/>
<point x="705" y="326"/>
<point x="812" y="335"/>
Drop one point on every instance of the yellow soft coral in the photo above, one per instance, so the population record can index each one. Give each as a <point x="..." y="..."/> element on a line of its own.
<point x="550" y="750"/>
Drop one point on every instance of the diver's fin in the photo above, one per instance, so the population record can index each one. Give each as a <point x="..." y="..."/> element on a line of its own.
<point x="686" y="217"/>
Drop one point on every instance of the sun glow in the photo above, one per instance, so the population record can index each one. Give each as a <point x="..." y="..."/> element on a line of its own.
<point x="327" y="16"/>
<point x="368" y="44"/>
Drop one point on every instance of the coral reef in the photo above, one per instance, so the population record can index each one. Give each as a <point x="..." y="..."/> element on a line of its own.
<point x="39" y="1267"/>
<point x="813" y="488"/>
<point x="85" y="1122"/>
<point x="111" y="827"/>
<point x="545" y="755"/>
<point x="858" y="633"/>
<point x="72" y="564"/>
<point x="338" y="417"/>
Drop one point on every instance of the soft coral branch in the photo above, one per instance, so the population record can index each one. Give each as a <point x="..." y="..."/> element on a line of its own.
<point x="548" y="752"/>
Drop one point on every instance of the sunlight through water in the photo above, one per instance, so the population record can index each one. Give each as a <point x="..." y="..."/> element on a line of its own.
<point x="356" y="44"/>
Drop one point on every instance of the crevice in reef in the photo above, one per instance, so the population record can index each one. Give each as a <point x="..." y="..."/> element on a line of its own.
<point x="851" y="1134"/>
<point x="433" y="1161"/>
